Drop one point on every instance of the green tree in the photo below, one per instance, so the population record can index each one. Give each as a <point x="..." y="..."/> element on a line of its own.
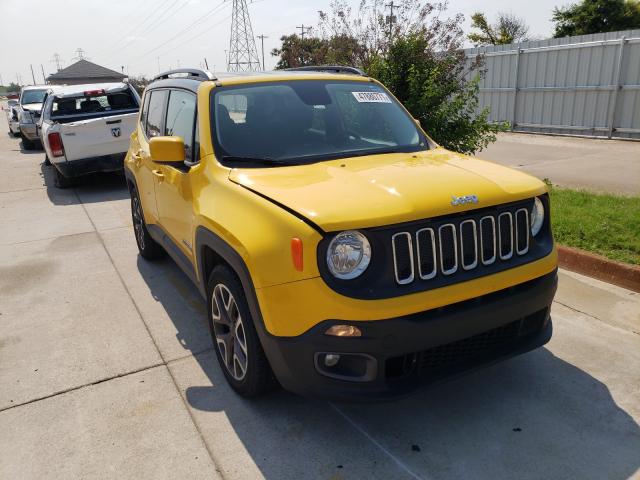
<point x="297" y="52"/>
<point x="430" y="84"/>
<point x="596" y="16"/>
<point x="507" y="29"/>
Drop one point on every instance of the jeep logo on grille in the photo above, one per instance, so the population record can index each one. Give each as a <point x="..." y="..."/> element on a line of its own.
<point x="455" y="201"/>
<point x="115" y="132"/>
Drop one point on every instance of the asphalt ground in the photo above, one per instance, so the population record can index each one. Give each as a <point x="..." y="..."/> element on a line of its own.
<point x="606" y="166"/>
<point x="107" y="371"/>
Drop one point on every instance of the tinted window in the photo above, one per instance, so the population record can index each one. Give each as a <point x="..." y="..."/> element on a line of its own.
<point x="145" y="111"/>
<point x="156" y="113"/>
<point x="310" y="120"/>
<point x="180" y="119"/>
<point x="113" y="102"/>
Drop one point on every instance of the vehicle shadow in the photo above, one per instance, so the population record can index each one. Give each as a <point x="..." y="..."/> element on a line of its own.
<point x="92" y="188"/>
<point x="535" y="416"/>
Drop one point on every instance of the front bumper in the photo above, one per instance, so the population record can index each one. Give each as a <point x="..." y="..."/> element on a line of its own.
<point x="84" y="166"/>
<point x="406" y="353"/>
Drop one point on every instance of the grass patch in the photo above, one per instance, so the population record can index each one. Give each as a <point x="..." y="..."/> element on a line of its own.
<point x="608" y="225"/>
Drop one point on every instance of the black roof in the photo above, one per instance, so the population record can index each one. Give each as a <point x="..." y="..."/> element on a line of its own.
<point x="84" y="69"/>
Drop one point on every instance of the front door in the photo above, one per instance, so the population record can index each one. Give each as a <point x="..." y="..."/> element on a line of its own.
<point x="173" y="183"/>
<point x="150" y="125"/>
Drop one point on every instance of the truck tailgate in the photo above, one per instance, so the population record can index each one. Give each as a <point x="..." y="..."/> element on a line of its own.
<point x="97" y="136"/>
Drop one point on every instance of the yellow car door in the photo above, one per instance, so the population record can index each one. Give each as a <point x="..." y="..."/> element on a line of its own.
<point x="173" y="182"/>
<point x="150" y="125"/>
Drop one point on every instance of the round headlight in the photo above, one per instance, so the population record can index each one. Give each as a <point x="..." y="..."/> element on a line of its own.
<point x="537" y="216"/>
<point x="348" y="255"/>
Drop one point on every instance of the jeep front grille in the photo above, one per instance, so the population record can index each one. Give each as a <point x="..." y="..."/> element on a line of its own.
<point x="462" y="244"/>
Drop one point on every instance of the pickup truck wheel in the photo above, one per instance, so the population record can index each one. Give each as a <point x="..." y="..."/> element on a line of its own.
<point x="235" y="339"/>
<point x="149" y="249"/>
<point x="47" y="162"/>
<point x="26" y="143"/>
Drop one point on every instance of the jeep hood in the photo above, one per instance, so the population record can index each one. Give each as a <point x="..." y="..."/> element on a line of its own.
<point x="378" y="190"/>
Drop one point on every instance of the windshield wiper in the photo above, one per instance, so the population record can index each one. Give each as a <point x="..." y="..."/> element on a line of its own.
<point x="258" y="160"/>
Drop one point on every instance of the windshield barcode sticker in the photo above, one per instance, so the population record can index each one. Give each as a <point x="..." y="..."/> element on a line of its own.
<point x="371" y="97"/>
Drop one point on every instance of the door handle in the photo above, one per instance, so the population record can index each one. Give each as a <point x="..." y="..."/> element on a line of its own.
<point x="158" y="174"/>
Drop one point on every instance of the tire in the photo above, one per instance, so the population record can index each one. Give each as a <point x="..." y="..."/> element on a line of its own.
<point x="235" y="340"/>
<point x="149" y="249"/>
<point x="26" y="143"/>
<point x="47" y="162"/>
<point x="61" y="181"/>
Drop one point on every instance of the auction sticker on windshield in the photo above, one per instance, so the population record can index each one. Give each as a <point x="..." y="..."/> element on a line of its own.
<point x="371" y="97"/>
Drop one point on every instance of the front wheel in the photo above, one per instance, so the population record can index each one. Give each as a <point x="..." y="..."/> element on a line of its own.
<point x="235" y="339"/>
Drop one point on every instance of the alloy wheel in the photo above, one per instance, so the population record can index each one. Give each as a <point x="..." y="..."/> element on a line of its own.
<point x="229" y="331"/>
<point x="138" y="222"/>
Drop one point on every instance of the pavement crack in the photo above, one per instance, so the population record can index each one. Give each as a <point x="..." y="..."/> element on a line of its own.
<point x="85" y="385"/>
<point x="594" y="317"/>
<point x="153" y="340"/>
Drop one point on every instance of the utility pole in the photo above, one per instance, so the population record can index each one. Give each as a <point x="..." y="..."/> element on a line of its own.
<point x="303" y="31"/>
<point x="33" y="75"/>
<point x="206" y="64"/>
<point x="262" y="37"/>
<point x="57" y="60"/>
<point x="44" y="78"/>
<point x="243" y="54"/>
<point x="391" y="17"/>
<point x="158" y="65"/>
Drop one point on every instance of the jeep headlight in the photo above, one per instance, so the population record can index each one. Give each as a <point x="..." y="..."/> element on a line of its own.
<point x="537" y="216"/>
<point x="348" y="255"/>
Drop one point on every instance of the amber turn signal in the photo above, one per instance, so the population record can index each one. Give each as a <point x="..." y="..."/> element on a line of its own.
<point x="344" y="331"/>
<point x="296" y="253"/>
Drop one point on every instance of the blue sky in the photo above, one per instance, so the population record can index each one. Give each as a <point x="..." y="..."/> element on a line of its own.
<point x="137" y="34"/>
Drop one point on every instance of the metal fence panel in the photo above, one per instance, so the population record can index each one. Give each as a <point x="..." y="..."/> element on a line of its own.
<point x="584" y="85"/>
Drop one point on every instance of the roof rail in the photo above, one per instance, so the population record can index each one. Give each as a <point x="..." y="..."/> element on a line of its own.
<point x="329" y="68"/>
<point x="193" y="73"/>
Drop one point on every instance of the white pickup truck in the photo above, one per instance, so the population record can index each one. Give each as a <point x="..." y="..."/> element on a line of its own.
<point x="86" y="128"/>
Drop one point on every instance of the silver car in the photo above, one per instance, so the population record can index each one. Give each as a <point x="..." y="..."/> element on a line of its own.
<point x="29" y="108"/>
<point x="12" y="117"/>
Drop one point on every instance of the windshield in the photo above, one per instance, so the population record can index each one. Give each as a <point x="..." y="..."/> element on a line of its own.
<point x="32" y="96"/>
<point x="309" y="120"/>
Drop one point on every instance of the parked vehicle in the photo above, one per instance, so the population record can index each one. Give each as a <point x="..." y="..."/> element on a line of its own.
<point x="86" y="128"/>
<point x="12" y="116"/>
<point x="338" y="247"/>
<point x="30" y="106"/>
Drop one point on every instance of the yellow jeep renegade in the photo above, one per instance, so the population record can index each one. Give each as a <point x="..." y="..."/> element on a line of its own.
<point x="340" y="250"/>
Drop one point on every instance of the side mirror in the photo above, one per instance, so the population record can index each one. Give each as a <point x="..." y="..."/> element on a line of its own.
<point x="167" y="149"/>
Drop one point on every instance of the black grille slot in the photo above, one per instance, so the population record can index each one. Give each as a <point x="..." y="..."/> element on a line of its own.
<point x="426" y="241"/>
<point x="448" y="249"/>
<point x="488" y="240"/>
<point x="468" y="244"/>
<point x="403" y="257"/>
<point x="522" y="231"/>
<point x="505" y="228"/>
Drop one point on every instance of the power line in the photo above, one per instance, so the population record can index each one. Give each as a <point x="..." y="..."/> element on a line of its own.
<point x="162" y="18"/>
<point x="184" y="30"/>
<point x="243" y="54"/>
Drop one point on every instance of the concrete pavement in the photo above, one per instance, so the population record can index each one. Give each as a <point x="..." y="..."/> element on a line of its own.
<point x="611" y="166"/>
<point x="107" y="371"/>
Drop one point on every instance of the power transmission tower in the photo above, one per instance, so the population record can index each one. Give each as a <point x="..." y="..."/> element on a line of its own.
<point x="243" y="54"/>
<point x="303" y="30"/>
<point x="80" y="55"/>
<point x="391" y="17"/>
<point x="262" y="37"/>
<point x="57" y="60"/>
